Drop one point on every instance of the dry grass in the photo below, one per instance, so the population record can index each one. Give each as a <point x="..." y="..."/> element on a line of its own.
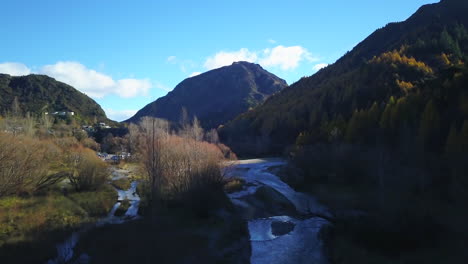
<point x="36" y="224"/>
<point x="121" y="184"/>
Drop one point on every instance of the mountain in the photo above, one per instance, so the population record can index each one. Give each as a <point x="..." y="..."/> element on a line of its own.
<point x="408" y="78"/>
<point x="217" y="96"/>
<point x="39" y="93"/>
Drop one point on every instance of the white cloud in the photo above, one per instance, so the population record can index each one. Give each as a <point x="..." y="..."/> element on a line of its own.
<point x="119" y="115"/>
<point x="319" y="66"/>
<point x="272" y="41"/>
<point x="14" y="69"/>
<point x="93" y="83"/>
<point x="171" y="59"/>
<point x="224" y="58"/>
<point x="128" y="88"/>
<point x="286" y="58"/>
<point x="194" y="74"/>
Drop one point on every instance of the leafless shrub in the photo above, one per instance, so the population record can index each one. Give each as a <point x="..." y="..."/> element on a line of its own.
<point x="66" y="142"/>
<point x="85" y="170"/>
<point x="176" y="167"/>
<point x="91" y="144"/>
<point x="23" y="164"/>
<point x="212" y="136"/>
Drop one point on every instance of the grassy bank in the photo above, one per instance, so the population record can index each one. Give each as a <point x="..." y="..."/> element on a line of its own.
<point x="35" y="224"/>
<point x="122" y="184"/>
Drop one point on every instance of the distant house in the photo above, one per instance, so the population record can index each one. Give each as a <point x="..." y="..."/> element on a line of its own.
<point x="103" y="125"/>
<point x="61" y="113"/>
<point x="87" y="128"/>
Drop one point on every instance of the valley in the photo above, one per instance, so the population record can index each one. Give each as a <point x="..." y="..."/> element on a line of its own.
<point x="215" y="158"/>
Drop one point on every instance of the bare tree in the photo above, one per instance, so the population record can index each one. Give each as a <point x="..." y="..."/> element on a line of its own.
<point x="212" y="136"/>
<point x="46" y="121"/>
<point x="175" y="165"/>
<point x="192" y="130"/>
<point x="153" y="132"/>
<point x="15" y="107"/>
<point x="196" y="130"/>
<point x="29" y="125"/>
<point x="184" y="119"/>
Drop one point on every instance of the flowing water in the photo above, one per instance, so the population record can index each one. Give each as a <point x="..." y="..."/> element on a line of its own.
<point x="65" y="250"/>
<point x="295" y="241"/>
<point x="300" y="242"/>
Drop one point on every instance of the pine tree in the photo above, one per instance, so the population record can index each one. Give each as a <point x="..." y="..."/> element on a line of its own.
<point x="429" y="126"/>
<point x="452" y="145"/>
<point x="385" y="120"/>
<point x="374" y="114"/>
<point x="446" y="41"/>
<point x="352" y="131"/>
<point x="464" y="137"/>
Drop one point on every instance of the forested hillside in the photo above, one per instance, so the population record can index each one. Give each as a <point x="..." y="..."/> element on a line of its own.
<point x="380" y="137"/>
<point x="407" y="82"/>
<point x="38" y="94"/>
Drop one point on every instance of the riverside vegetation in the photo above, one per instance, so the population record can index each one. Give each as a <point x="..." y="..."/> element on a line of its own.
<point x="54" y="183"/>
<point x="38" y="209"/>
<point x="183" y="202"/>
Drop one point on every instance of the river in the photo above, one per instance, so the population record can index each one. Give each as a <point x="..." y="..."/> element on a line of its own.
<point x="66" y="250"/>
<point x="276" y="235"/>
<point x="299" y="240"/>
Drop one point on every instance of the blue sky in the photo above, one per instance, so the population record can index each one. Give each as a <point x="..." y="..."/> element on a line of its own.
<point x="125" y="54"/>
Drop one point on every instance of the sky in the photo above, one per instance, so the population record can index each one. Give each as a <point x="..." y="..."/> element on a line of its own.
<point x="125" y="54"/>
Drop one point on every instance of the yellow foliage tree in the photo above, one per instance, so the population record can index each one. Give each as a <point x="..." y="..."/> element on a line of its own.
<point x="405" y="86"/>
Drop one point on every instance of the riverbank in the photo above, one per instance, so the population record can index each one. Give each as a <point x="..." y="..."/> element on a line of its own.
<point x="381" y="222"/>
<point x="35" y="224"/>
<point x="177" y="234"/>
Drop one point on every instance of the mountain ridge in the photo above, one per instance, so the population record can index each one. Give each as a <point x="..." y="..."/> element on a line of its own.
<point x="216" y="96"/>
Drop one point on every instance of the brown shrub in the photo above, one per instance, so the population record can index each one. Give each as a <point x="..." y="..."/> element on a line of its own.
<point x="178" y="168"/>
<point x="185" y="165"/>
<point x="227" y="152"/>
<point x="91" y="144"/>
<point x="86" y="171"/>
<point x="23" y="164"/>
<point x="66" y="142"/>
